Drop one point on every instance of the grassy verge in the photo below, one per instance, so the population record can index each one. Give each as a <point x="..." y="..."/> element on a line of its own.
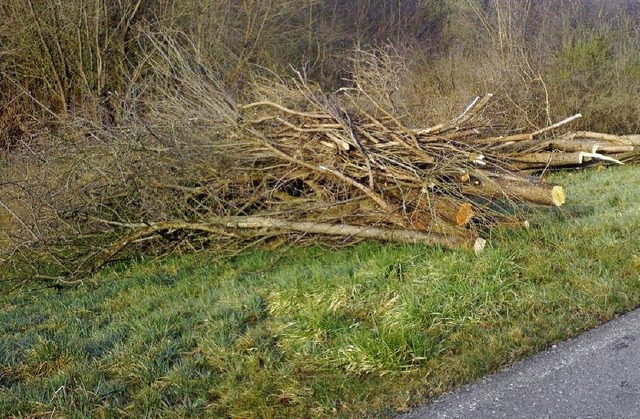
<point x="368" y="330"/>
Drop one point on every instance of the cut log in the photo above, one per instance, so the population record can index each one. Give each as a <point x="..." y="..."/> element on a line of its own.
<point x="562" y="159"/>
<point x="534" y="192"/>
<point x="590" y="146"/>
<point x="407" y="236"/>
<point x="620" y="139"/>
<point x="459" y="215"/>
<point x="464" y="214"/>
<point x="464" y="238"/>
<point x="271" y="227"/>
<point x="453" y="214"/>
<point x="557" y="195"/>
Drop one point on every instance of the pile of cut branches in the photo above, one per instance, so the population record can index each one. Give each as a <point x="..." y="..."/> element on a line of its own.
<point x="296" y="163"/>
<point x="342" y="165"/>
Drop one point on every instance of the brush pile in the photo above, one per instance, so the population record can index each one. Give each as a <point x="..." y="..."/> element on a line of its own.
<point x="293" y="163"/>
<point x="342" y="165"/>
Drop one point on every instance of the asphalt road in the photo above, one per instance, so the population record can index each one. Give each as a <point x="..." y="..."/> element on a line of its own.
<point x="595" y="375"/>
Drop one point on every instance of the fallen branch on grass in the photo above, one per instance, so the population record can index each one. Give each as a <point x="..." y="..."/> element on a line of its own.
<point x="226" y="226"/>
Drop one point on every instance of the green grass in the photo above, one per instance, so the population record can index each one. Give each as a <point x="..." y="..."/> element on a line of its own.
<point x="368" y="330"/>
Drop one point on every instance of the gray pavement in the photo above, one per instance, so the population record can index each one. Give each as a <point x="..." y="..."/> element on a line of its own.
<point x="595" y="375"/>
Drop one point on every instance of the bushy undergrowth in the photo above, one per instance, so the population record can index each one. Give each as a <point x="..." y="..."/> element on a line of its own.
<point x="92" y="58"/>
<point x="367" y="331"/>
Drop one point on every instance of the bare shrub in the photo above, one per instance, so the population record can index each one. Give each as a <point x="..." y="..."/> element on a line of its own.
<point x="61" y="181"/>
<point x="541" y="57"/>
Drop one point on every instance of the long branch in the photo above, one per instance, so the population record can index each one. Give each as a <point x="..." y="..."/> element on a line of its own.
<point x="465" y="239"/>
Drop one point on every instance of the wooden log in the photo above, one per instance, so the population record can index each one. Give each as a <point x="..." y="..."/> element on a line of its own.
<point x="459" y="215"/>
<point x="464" y="214"/>
<point x="623" y="139"/>
<point x="452" y="214"/>
<point x="271" y="226"/>
<point x="589" y="145"/>
<point x="465" y="239"/>
<point x="525" y="189"/>
<point x="563" y="159"/>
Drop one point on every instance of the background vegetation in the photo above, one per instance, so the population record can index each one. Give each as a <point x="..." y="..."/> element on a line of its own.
<point x="92" y="58"/>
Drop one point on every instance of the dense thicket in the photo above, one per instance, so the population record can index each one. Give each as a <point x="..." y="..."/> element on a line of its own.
<point x="91" y="57"/>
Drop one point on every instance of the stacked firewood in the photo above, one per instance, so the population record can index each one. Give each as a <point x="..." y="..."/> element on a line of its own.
<point x="359" y="167"/>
